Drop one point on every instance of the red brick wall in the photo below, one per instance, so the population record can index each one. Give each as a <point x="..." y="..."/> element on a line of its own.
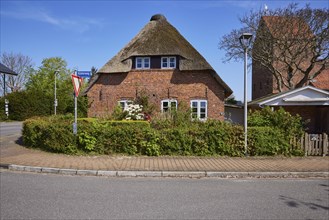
<point x="262" y="81"/>
<point x="158" y="84"/>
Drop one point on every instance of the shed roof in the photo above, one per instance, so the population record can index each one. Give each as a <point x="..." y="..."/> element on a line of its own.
<point x="307" y="95"/>
<point x="6" y="70"/>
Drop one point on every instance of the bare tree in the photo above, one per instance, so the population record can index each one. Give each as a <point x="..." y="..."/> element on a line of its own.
<point x="291" y="43"/>
<point x="20" y="64"/>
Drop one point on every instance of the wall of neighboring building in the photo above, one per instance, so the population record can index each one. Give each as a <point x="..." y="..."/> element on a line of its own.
<point x="234" y="114"/>
<point x="158" y="84"/>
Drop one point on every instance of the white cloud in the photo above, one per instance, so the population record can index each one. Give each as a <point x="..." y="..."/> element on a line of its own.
<point x="71" y="23"/>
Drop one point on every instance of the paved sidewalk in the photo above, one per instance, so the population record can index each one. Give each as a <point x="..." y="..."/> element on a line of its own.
<point x="13" y="153"/>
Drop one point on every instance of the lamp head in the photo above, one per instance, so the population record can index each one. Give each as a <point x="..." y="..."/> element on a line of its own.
<point x="245" y="36"/>
<point x="245" y="40"/>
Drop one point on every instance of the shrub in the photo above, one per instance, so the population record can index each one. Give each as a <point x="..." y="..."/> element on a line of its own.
<point x="267" y="141"/>
<point x="49" y="133"/>
<point x="98" y="136"/>
<point x="291" y="125"/>
<point x="27" y="104"/>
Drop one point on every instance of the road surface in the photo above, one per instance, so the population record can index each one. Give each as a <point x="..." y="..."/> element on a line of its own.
<point x="40" y="196"/>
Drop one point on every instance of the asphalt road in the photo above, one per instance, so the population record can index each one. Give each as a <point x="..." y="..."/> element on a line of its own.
<point x="12" y="128"/>
<point x="10" y="136"/>
<point x="39" y="196"/>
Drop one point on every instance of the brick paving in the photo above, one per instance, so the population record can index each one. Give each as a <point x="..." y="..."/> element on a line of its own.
<point x="13" y="153"/>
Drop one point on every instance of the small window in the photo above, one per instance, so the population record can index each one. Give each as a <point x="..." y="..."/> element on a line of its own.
<point x="168" y="105"/>
<point x="168" y="62"/>
<point x="100" y="95"/>
<point x="143" y="62"/>
<point x="199" y="109"/>
<point x="139" y="63"/>
<point x="124" y="104"/>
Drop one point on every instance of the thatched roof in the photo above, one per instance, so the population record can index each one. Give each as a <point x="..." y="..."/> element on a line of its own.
<point x="158" y="38"/>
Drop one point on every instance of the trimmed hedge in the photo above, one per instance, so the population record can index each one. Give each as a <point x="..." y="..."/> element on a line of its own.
<point x="268" y="141"/>
<point x="97" y="136"/>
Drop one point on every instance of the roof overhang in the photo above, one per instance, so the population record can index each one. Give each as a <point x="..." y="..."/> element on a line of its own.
<point x="304" y="96"/>
<point x="6" y="70"/>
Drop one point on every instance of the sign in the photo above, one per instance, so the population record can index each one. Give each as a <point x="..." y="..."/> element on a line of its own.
<point x="77" y="81"/>
<point x="84" y="74"/>
<point x="6" y="107"/>
<point x="75" y="128"/>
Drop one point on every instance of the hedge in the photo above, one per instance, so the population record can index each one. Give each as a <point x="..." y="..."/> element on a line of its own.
<point x="97" y="136"/>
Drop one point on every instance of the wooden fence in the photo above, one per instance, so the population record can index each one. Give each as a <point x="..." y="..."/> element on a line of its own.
<point x="313" y="144"/>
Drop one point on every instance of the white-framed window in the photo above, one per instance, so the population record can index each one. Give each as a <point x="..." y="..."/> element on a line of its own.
<point x="168" y="62"/>
<point x="199" y="109"/>
<point x="168" y="105"/>
<point x="124" y="104"/>
<point x="143" y="62"/>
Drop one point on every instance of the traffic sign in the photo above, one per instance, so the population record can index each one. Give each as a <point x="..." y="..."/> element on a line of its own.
<point x="84" y="74"/>
<point x="77" y="82"/>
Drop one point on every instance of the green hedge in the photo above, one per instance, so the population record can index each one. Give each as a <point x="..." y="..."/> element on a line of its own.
<point x="269" y="141"/>
<point x="26" y="104"/>
<point x="97" y="136"/>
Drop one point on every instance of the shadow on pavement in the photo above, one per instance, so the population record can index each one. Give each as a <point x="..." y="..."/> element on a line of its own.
<point x="19" y="141"/>
<point x="295" y="203"/>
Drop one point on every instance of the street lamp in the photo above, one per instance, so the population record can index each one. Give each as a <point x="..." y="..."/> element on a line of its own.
<point x="245" y="40"/>
<point x="55" y="98"/>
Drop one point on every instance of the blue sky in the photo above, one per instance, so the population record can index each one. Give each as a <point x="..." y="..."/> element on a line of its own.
<point x="89" y="33"/>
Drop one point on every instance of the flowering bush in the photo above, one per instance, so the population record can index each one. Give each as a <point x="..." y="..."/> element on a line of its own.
<point x="134" y="112"/>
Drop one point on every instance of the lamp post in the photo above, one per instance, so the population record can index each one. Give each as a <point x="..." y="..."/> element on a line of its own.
<point x="55" y="98"/>
<point x="245" y="40"/>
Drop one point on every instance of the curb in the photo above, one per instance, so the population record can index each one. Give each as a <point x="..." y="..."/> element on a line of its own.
<point x="183" y="174"/>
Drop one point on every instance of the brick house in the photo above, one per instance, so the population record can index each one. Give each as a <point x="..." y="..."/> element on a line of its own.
<point x="162" y="64"/>
<point x="311" y="101"/>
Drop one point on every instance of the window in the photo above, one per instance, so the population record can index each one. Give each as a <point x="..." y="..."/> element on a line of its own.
<point x="168" y="62"/>
<point x="124" y="104"/>
<point x="100" y="95"/>
<point x="143" y="63"/>
<point x="168" y="105"/>
<point x="199" y="109"/>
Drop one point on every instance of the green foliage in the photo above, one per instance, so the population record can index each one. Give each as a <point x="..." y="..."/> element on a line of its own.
<point x="86" y="141"/>
<point x="118" y="114"/>
<point x="292" y="126"/>
<point x="267" y="141"/>
<point x="270" y="132"/>
<point x="173" y="119"/>
<point x="38" y="98"/>
<point x="143" y="100"/>
<point x="164" y="136"/>
<point x="49" y="133"/>
<point x="150" y="145"/>
<point x="25" y="104"/>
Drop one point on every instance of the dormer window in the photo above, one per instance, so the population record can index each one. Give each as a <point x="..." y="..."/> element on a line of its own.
<point x="143" y="63"/>
<point x="168" y="62"/>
